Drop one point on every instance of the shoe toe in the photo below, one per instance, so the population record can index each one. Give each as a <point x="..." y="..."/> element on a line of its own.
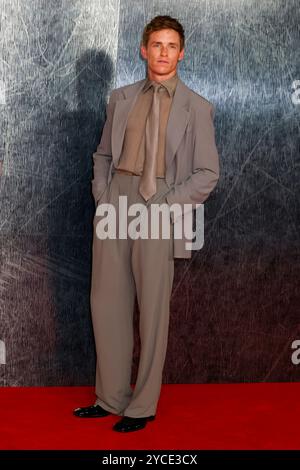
<point x="94" y="411"/>
<point x="128" y="424"/>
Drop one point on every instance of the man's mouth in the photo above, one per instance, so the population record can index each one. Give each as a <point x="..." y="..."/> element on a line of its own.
<point x="163" y="61"/>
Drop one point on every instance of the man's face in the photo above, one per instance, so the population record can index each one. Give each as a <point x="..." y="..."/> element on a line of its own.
<point x="163" y="52"/>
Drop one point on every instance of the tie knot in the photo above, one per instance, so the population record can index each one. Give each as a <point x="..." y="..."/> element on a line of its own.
<point x="156" y="86"/>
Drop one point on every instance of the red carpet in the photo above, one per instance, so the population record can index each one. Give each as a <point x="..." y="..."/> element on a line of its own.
<point x="200" y="416"/>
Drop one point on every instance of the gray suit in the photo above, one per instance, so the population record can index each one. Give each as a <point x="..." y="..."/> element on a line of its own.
<point x="125" y="268"/>
<point x="192" y="162"/>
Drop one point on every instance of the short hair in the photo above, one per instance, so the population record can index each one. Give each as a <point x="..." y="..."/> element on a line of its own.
<point x="163" y="22"/>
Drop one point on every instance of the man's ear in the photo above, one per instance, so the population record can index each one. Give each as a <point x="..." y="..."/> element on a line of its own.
<point x="143" y="52"/>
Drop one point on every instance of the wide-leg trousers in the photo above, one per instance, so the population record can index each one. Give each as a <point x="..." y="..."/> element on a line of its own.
<point x="124" y="269"/>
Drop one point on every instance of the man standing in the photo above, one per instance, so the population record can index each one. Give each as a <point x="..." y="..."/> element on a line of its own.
<point x="157" y="146"/>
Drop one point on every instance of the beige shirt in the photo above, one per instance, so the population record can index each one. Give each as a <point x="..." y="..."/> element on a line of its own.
<point x="133" y="150"/>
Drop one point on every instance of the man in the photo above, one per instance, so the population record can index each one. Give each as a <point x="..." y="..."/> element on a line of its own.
<point x="157" y="146"/>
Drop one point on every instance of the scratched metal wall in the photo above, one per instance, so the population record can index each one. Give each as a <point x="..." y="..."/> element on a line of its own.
<point x="234" y="309"/>
<point x="57" y="67"/>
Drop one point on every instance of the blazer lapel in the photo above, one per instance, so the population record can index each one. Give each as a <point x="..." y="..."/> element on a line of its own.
<point x="177" y="121"/>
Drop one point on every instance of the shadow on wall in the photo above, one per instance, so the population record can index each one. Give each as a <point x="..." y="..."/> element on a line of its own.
<point x="76" y="135"/>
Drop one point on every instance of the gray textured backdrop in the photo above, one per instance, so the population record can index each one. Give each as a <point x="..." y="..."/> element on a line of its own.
<point x="235" y="305"/>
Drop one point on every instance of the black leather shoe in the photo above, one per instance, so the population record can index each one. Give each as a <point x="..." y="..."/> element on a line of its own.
<point x="94" y="411"/>
<point x="128" y="424"/>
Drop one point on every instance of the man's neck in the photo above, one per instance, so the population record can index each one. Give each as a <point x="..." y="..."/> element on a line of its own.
<point x="160" y="78"/>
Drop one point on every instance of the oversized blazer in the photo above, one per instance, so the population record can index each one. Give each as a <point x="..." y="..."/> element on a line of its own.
<point x="192" y="162"/>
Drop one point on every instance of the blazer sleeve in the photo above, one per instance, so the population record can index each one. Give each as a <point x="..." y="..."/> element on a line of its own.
<point x="103" y="155"/>
<point x="197" y="187"/>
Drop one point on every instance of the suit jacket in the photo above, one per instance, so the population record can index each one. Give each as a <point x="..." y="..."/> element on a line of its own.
<point x="192" y="162"/>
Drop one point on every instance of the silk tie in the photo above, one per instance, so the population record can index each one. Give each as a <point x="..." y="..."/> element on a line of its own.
<point x="147" y="186"/>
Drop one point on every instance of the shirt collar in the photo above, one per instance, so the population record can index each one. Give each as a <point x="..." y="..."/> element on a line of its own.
<point x="169" y="84"/>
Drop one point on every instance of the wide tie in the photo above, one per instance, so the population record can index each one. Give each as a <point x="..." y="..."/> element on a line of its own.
<point x="147" y="186"/>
